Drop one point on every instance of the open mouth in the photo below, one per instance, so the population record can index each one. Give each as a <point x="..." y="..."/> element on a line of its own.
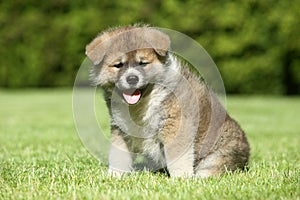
<point x="132" y="96"/>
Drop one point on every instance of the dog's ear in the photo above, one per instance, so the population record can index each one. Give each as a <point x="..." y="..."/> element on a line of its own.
<point x="158" y="40"/>
<point x="96" y="50"/>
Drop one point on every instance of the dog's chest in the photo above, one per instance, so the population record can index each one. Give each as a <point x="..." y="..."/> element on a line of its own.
<point x="138" y="123"/>
<point x="143" y="120"/>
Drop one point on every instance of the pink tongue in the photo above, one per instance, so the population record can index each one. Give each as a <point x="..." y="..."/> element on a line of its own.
<point x="132" y="98"/>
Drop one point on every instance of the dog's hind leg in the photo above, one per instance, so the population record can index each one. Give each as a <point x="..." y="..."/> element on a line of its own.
<point x="213" y="164"/>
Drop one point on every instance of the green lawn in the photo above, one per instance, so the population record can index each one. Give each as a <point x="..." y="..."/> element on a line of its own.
<point x="41" y="156"/>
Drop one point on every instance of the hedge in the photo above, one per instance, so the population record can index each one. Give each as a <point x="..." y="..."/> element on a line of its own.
<point x="255" y="44"/>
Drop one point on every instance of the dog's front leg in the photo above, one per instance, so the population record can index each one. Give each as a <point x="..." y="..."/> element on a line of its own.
<point x="180" y="158"/>
<point x="120" y="158"/>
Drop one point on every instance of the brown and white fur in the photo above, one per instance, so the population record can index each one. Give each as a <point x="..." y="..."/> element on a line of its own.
<point x="160" y="109"/>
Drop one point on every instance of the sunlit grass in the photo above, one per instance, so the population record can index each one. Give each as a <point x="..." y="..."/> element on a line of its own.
<point x="41" y="156"/>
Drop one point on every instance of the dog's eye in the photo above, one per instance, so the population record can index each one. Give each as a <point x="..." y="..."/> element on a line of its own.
<point x="143" y="63"/>
<point x="119" y="65"/>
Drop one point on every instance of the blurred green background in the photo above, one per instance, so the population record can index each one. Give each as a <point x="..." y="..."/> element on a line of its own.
<point x="255" y="43"/>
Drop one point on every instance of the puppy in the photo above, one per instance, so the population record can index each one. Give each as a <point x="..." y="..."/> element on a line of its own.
<point x="160" y="109"/>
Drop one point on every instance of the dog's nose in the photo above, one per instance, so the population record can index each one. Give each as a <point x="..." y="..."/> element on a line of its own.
<point x="132" y="79"/>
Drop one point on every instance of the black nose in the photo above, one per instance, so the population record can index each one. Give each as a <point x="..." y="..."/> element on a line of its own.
<point x="132" y="79"/>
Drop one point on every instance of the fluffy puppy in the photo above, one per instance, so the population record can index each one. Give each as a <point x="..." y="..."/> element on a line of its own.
<point x="160" y="109"/>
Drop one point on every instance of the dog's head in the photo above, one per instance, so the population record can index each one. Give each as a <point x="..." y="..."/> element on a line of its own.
<point x="130" y="59"/>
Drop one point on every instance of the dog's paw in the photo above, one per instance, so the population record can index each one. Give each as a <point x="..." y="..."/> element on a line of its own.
<point x="180" y="174"/>
<point x="116" y="173"/>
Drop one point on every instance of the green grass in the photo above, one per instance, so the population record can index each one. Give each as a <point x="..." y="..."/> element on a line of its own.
<point x="41" y="156"/>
